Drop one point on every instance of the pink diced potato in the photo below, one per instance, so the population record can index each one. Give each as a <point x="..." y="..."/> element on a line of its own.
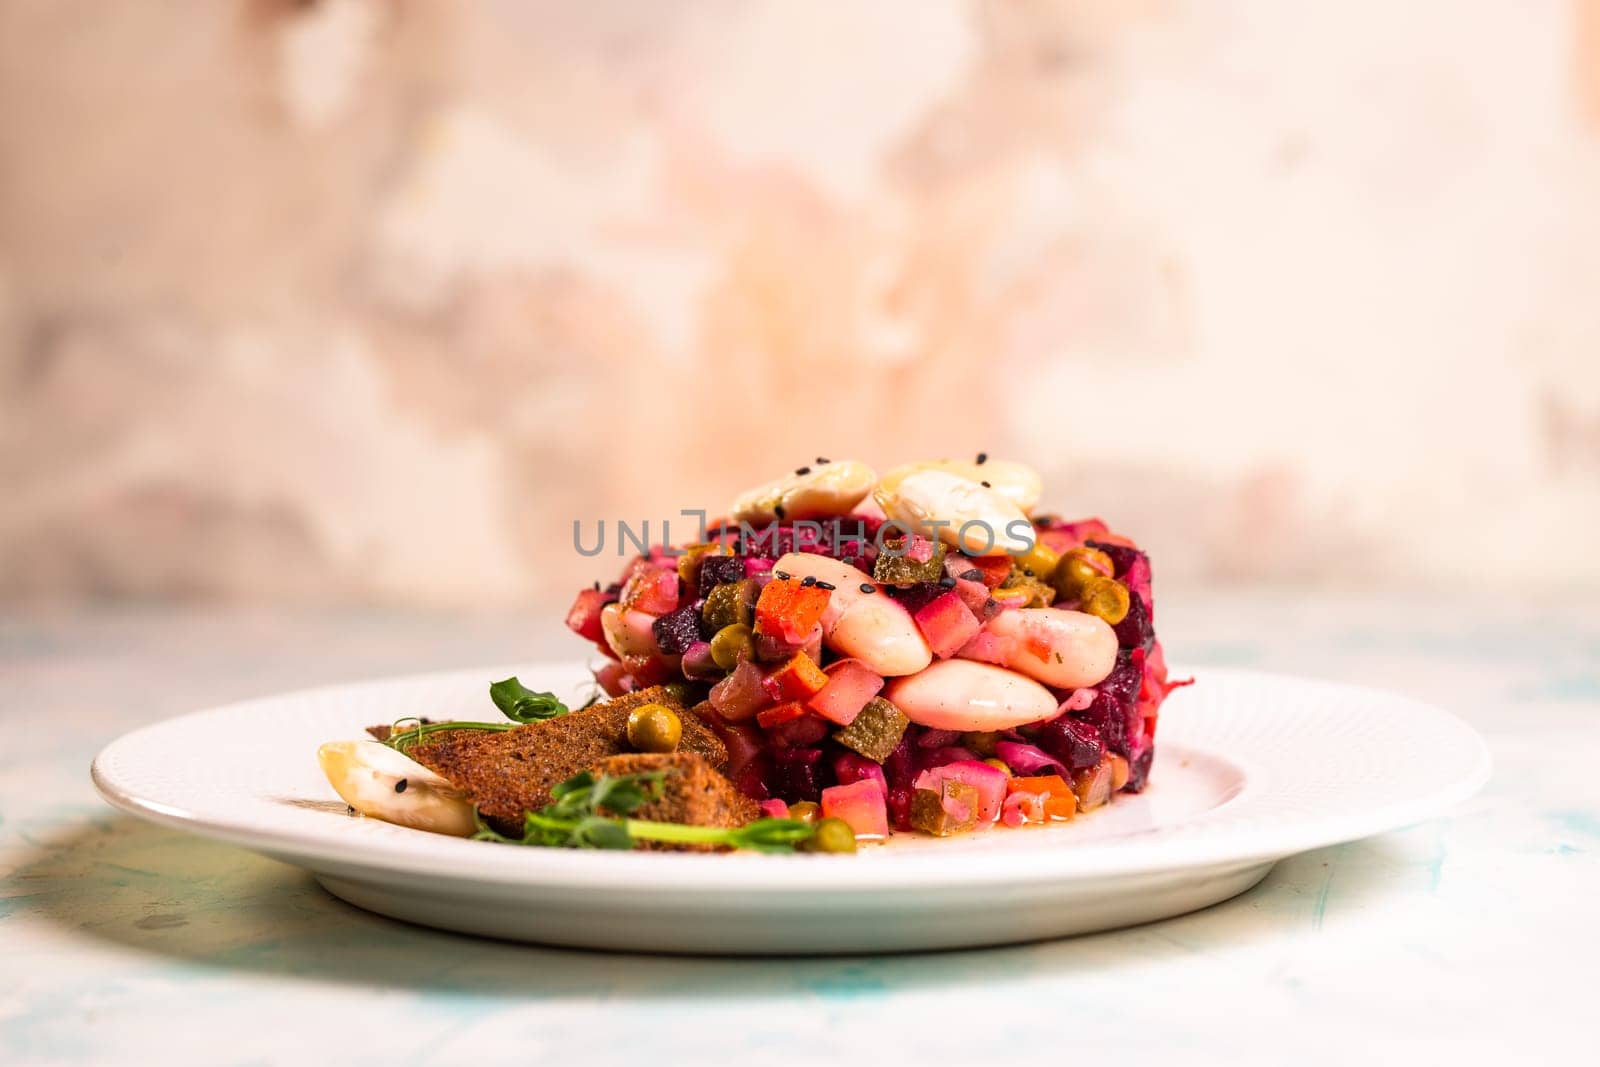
<point x="741" y="694"/>
<point x="851" y="684"/>
<point x="947" y="624"/>
<point x="774" y="809"/>
<point x="652" y="590"/>
<point x="862" y="805"/>
<point x="975" y="595"/>
<point x="990" y="782"/>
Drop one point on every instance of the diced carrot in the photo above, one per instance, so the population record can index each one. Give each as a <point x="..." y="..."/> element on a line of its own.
<point x="789" y="610"/>
<point x="781" y="713"/>
<point x="994" y="568"/>
<point x="1059" y="801"/>
<point x="798" y="679"/>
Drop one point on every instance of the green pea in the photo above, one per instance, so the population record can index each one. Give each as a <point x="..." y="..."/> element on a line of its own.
<point x="731" y="644"/>
<point x="807" y="811"/>
<point x="832" y="835"/>
<point x="1079" y="567"/>
<point x="654" y="728"/>
<point x="1106" y="598"/>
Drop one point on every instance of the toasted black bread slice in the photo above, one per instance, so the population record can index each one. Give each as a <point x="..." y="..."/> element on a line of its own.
<point x="510" y="772"/>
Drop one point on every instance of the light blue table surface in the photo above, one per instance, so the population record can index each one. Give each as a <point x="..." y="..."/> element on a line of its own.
<point x="1474" y="936"/>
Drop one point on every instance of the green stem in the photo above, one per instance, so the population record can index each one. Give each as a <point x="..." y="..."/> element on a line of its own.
<point x="408" y="738"/>
<point x="678" y="833"/>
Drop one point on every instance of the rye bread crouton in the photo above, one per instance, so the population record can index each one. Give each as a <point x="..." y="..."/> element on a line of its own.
<point x="694" y="793"/>
<point x="513" y="771"/>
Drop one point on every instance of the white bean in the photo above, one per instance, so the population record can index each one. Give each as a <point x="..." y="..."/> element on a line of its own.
<point x="869" y="626"/>
<point x="959" y="694"/>
<point x="825" y="489"/>
<point x="958" y="511"/>
<point x="1017" y="482"/>
<point x="368" y="776"/>
<point x="1065" y="649"/>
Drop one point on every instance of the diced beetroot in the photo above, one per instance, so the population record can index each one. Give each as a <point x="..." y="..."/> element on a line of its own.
<point x="1139" y="770"/>
<point x="1073" y="742"/>
<point x="916" y="596"/>
<point x="583" y="618"/>
<point x="741" y="694"/>
<point x="900" y="807"/>
<point x="794" y="773"/>
<point x="1109" y="717"/>
<point x="1137" y="579"/>
<point x="990" y="782"/>
<point x="798" y="679"/>
<point x="938" y="757"/>
<point x="850" y="685"/>
<point x="931" y="738"/>
<point x="714" y="570"/>
<point x="677" y="630"/>
<point x="1125" y="678"/>
<point x="774" y="809"/>
<point x="799" y="732"/>
<point x="1134" y="630"/>
<point x="862" y="805"/>
<point x="851" y="767"/>
<point x="947" y="624"/>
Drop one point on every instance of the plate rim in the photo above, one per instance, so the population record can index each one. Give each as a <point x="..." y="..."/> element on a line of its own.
<point x="433" y="856"/>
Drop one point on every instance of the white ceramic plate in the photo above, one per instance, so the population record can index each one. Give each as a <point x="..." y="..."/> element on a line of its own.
<point x="1250" y="768"/>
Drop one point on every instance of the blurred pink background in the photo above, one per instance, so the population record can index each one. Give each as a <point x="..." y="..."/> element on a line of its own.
<point x="368" y="300"/>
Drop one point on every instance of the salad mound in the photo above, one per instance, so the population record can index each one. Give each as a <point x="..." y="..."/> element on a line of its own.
<point x="921" y="651"/>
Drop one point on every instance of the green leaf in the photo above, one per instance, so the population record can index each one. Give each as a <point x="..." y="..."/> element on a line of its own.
<point x="596" y="831"/>
<point x="521" y="704"/>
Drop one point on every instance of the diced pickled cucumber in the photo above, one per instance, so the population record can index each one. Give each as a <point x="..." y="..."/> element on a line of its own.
<point x="729" y="604"/>
<point x="875" y="731"/>
<point x="894" y="568"/>
<point x="950" y="809"/>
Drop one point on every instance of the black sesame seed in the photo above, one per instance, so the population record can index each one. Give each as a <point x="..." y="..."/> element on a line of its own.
<point x="400" y="786"/>
<point x="781" y="575"/>
<point x="947" y="582"/>
<point x="824" y="459"/>
<point x="868" y="587"/>
<point x="974" y="575"/>
<point x="1028" y="571"/>
<point x="802" y="470"/>
<point x="983" y="457"/>
<point x="986" y="485"/>
<point x="808" y="581"/>
<point x="348" y="810"/>
<point x="778" y="511"/>
<point x="826" y="585"/>
<point x="597" y="583"/>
